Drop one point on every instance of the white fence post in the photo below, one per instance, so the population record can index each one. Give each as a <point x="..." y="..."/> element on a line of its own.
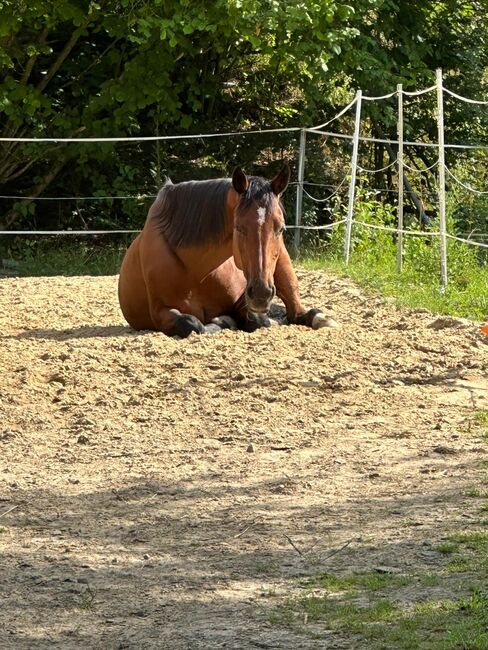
<point x="299" y="202"/>
<point x="442" y="178"/>
<point x="400" y="178"/>
<point x="352" y="182"/>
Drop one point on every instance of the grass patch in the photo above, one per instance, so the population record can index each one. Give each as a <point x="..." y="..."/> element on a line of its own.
<point x="436" y="611"/>
<point x="79" y="256"/>
<point x="373" y="256"/>
<point x="467" y="298"/>
<point x="446" y="548"/>
<point x="86" y="601"/>
<point x="476" y="541"/>
<point x="365" y="614"/>
<point x="475" y="493"/>
<point x="430" y="580"/>
<point x="482" y="418"/>
<point x="357" y="581"/>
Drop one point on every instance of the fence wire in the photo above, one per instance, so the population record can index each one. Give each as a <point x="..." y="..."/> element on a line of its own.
<point x="318" y="130"/>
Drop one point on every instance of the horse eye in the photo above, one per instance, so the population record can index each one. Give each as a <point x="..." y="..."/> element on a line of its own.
<point x="240" y="229"/>
<point x="280" y="230"/>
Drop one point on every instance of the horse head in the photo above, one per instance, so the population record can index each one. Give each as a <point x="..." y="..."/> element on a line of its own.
<point x="258" y="233"/>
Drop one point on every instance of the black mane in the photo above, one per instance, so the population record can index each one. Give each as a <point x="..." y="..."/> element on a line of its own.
<point x="193" y="213"/>
<point x="258" y="191"/>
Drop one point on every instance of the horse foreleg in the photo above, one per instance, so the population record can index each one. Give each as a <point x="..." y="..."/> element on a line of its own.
<point x="287" y="289"/>
<point x="173" y="323"/>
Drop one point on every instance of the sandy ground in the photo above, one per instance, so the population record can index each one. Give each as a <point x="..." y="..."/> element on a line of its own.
<point x="157" y="493"/>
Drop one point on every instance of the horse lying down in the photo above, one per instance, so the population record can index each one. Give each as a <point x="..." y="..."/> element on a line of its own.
<point x="211" y="256"/>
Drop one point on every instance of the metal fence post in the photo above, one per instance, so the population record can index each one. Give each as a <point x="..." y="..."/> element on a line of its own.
<point x="299" y="201"/>
<point x="442" y="178"/>
<point x="352" y="182"/>
<point x="400" y="178"/>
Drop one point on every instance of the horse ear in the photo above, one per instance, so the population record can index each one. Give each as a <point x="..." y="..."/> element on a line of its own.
<point x="239" y="181"/>
<point x="280" y="181"/>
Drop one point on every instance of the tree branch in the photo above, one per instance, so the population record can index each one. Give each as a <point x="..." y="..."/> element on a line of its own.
<point x="13" y="215"/>
<point x="32" y="60"/>
<point x="56" y="65"/>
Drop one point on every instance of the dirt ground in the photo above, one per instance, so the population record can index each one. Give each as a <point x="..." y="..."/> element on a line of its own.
<point x="157" y="493"/>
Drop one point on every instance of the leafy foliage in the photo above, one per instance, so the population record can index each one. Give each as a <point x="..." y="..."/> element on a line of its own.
<point x="141" y="67"/>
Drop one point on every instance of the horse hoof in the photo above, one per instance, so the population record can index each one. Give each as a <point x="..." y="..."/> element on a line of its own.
<point x="225" y="322"/>
<point x="213" y="328"/>
<point x="255" y="321"/>
<point x="187" y="324"/>
<point x="321" y="320"/>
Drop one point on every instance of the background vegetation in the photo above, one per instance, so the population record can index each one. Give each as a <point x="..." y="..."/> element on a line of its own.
<point x="142" y="67"/>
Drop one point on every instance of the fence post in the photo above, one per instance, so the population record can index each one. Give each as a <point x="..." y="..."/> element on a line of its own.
<point x="352" y="182"/>
<point x="442" y="178"/>
<point x="400" y="178"/>
<point x="299" y="202"/>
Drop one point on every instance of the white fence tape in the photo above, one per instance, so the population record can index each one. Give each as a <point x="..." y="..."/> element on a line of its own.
<point x="420" y="170"/>
<point x="340" y="114"/>
<point x="154" y="138"/>
<point x="136" y="197"/>
<point x="466" y="99"/>
<point x="336" y="191"/>
<point x="465" y="185"/>
<point x="376" y="171"/>
<point x="378" y="97"/>
<point x="420" y="233"/>
<point x="67" y="232"/>
<point x="417" y="93"/>
<point x="318" y="130"/>
<point x="329" y="226"/>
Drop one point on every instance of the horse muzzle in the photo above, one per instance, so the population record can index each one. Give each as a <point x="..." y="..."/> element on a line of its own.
<point x="259" y="295"/>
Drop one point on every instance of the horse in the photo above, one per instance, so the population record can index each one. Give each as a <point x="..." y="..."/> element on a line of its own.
<point x="211" y="256"/>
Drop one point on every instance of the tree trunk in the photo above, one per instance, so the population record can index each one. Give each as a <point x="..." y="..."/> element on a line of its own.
<point x="14" y="215"/>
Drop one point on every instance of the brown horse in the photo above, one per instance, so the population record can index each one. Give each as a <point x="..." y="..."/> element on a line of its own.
<point x="211" y="255"/>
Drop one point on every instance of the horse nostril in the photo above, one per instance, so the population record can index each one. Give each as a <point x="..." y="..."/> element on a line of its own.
<point x="260" y="292"/>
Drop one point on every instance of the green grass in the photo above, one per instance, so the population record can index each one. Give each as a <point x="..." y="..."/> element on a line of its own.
<point x="481" y="417"/>
<point x="371" y="613"/>
<point x="80" y="256"/>
<point x="356" y="581"/>
<point x="475" y="493"/>
<point x="466" y="298"/>
<point x="446" y="548"/>
<point x="373" y="264"/>
<point x="86" y="601"/>
<point x="443" y="610"/>
<point x="469" y="552"/>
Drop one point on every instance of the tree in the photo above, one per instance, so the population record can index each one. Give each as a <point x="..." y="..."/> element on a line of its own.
<point x="129" y="67"/>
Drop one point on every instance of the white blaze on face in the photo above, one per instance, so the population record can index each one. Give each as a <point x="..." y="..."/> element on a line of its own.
<point x="261" y="219"/>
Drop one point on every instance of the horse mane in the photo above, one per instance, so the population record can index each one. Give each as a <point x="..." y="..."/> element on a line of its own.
<point x="258" y="191"/>
<point x="191" y="213"/>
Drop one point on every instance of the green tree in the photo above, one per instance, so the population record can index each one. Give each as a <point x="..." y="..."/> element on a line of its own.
<point x="131" y="67"/>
